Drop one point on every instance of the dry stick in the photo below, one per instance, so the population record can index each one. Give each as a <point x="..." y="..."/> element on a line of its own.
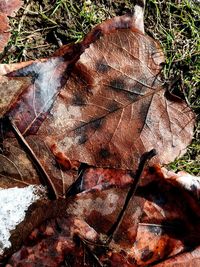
<point x="145" y="157"/>
<point x="44" y="177"/>
<point x="90" y="252"/>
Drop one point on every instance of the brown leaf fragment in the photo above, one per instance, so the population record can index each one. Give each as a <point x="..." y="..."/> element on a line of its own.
<point x="7" y="8"/>
<point x="16" y="169"/>
<point x="157" y="226"/>
<point x="184" y="180"/>
<point x="10" y="90"/>
<point x="10" y="7"/>
<point x="4" y="28"/>
<point x="190" y="258"/>
<point x="99" y="178"/>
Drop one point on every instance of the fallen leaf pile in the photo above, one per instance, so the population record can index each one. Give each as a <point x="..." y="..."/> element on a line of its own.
<point x="82" y="123"/>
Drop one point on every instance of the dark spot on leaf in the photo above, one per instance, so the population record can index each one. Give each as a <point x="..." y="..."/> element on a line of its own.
<point x="132" y="96"/>
<point x="118" y="84"/>
<point x="144" y="109"/>
<point x="97" y="33"/>
<point x="113" y="106"/>
<point x="102" y="66"/>
<point x="175" y="228"/>
<point x="96" y="124"/>
<point x="83" y="139"/>
<point x="146" y="254"/>
<point x="152" y="169"/>
<point x="78" y="99"/>
<point x="80" y="130"/>
<point x="104" y="153"/>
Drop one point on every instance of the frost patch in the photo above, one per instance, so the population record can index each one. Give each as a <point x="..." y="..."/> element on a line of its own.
<point x="14" y="203"/>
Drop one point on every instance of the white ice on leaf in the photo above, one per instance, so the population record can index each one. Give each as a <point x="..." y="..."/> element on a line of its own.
<point x="14" y="203"/>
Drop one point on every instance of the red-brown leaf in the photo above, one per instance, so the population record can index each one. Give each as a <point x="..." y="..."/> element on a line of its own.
<point x="4" y="31"/>
<point x="7" y="8"/>
<point x="113" y="107"/>
<point x="10" y="7"/>
<point x="157" y="226"/>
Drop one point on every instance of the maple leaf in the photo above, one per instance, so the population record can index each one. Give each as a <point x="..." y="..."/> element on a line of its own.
<point x="111" y="110"/>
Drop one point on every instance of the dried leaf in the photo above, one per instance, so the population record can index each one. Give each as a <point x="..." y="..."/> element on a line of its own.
<point x="190" y="258"/>
<point x="113" y="107"/>
<point x="100" y="102"/>
<point x="152" y="230"/>
<point x="10" y="90"/>
<point x="10" y="7"/>
<point x="116" y="108"/>
<point x="4" y="28"/>
<point x="7" y="8"/>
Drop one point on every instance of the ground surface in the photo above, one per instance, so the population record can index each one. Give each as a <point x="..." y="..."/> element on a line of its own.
<point x="42" y="25"/>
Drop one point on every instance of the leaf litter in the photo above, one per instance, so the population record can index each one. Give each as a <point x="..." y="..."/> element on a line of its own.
<point x="81" y="126"/>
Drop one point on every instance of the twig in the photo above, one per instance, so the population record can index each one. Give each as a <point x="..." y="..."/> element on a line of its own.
<point x="44" y="177"/>
<point x="145" y="157"/>
<point x="90" y="252"/>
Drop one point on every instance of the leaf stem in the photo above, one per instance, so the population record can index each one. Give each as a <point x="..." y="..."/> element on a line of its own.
<point x="131" y="193"/>
<point x="44" y="177"/>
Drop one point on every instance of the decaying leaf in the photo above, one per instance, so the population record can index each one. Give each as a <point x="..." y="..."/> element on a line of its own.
<point x="80" y="123"/>
<point x="10" y="7"/>
<point x="4" y="28"/>
<point x="111" y="110"/>
<point x="11" y="88"/>
<point x="7" y="8"/>
<point x="153" y="228"/>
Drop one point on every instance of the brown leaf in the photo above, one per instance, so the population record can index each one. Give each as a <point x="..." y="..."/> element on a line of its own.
<point x="10" y="90"/>
<point x="191" y="258"/>
<point x="36" y="97"/>
<point x="35" y="102"/>
<point x="100" y="102"/>
<point x="157" y="225"/>
<point x="113" y="107"/>
<point x="4" y="28"/>
<point x="7" y="8"/>
<point x="10" y="7"/>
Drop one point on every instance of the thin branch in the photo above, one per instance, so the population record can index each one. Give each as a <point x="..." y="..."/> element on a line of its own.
<point x="44" y="177"/>
<point x="131" y="193"/>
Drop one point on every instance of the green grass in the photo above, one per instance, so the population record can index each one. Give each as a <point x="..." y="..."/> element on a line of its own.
<point x="177" y="29"/>
<point x="37" y="28"/>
